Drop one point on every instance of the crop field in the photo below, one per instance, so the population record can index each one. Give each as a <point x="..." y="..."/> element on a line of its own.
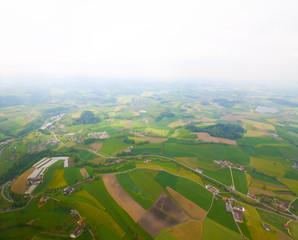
<point x="214" y="230"/>
<point x="240" y="181"/>
<point x="192" y="209"/>
<point x="219" y="214"/>
<point x="113" y="145"/>
<point x="86" y="155"/>
<point x="189" y="189"/>
<point x="71" y="175"/>
<point x="223" y="175"/>
<point x="205" y="137"/>
<point x="134" y="190"/>
<point x="34" y="219"/>
<point x="58" y="180"/>
<point x="157" y="131"/>
<point x="19" y="185"/>
<point x="122" y="198"/>
<point x="260" y="125"/>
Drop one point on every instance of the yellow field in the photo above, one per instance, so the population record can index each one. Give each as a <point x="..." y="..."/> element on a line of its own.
<point x="58" y="180"/>
<point x="118" y="108"/>
<point x="271" y="120"/>
<point x="292" y="184"/>
<point x="294" y="229"/>
<point x="183" y="172"/>
<point x="272" y="167"/>
<point x="148" y="165"/>
<point x="254" y="133"/>
<point x="264" y="126"/>
<point x="248" y="178"/>
<point x="272" y="144"/>
<point x="176" y="124"/>
<point x="191" y="230"/>
<point x="159" y="132"/>
<point x="19" y="185"/>
<point x="137" y="139"/>
<point x="86" y="196"/>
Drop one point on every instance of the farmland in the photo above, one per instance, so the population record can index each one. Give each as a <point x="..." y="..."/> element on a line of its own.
<point x="137" y="171"/>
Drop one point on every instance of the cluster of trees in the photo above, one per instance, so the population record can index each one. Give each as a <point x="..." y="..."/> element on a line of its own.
<point x="224" y="102"/>
<point x="229" y="131"/>
<point x="163" y="115"/>
<point x="87" y="117"/>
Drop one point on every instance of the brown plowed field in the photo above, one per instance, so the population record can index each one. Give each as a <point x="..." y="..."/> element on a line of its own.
<point x="19" y="185"/>
<point x="205" y="137"/>
<point x="191" y="208"/>
<point x="155" y="220"/>
<point x="97" y="146"/>
<point x="84" y="173"/>
<point x="163" y="214"/>
<point x="122" y="198"/>
<point x="171" y="207"/>
<point x="283" y="236"/>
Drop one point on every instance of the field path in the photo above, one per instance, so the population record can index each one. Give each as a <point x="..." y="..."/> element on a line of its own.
<point x="122" y="198"/>
<point x="232" y="178"/>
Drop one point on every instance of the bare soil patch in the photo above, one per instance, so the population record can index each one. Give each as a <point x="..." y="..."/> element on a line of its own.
<point x="70" y="162"/>
<point x="155" y="220"/>
<point x="122" y="198"/>
<point x="75" y="115"/>
<point x="163" y="214"/>
<point x="259" y="191"/>
<point x="84" y="173"/>
<point x="171" y="207"/>
<point x="19" y="185"/>
<point x="205" y="137"/>
<point x="97" y="146"/>
<point x="191" y="208"/>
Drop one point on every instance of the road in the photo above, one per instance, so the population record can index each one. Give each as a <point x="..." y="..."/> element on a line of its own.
<point x="7" y="198"/>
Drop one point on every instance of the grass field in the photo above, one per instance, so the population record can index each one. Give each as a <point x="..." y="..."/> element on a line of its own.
<point x="189" y="189"/>
<point x="32" y="220"/>
<point x="219" y="214"/>
<point x="58" y="180"/>
<point x="214" y="230"/>
<point x="157" y="131"/>
<point x="223" y="175"/>
<point x="240" y="181"/>
<point x="113" y="145"/>
<point x="72" y="174"/>
<point x="134" y="190"/>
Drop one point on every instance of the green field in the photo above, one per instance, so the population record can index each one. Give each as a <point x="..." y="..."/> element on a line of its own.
<point x="191" y="190"/>
<point x="240" y="181"/>
<point x="72" y="174"/>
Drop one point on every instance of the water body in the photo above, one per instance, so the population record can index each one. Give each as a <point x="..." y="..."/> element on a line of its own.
<point x="264" y="109"/>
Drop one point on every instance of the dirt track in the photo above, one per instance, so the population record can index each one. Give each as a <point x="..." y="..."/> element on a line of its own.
<point x="122" y="198"/>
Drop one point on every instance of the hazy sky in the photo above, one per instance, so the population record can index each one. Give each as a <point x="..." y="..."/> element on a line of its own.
<point x="237" y="40"/>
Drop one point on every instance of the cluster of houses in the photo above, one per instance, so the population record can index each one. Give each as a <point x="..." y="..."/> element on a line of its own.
<point x="78" y="230"/>
<point x="43" y="144"/>
<point x="99" y="135"/>
<point x="212" y="189"/>
<point x="114" y="162"/>
<point x="252" y="195"/>
<point x="233" y="208"/>
<point x="226" y="163"/>
<point x="276" y="136"/>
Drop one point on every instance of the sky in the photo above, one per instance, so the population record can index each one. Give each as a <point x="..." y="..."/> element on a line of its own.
<point x="253" y="41"/>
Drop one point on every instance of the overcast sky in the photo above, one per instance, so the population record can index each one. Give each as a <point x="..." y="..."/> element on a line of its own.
<point x="251" y="40"/>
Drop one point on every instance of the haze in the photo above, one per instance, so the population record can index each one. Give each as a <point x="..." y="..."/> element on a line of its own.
<point x="254" y="41"/>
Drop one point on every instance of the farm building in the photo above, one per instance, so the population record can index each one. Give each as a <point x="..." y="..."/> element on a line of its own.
<point x="240" y="208"/>
<point x="238" y="215"/>
<point x="228" y="208"/>
<point x="68" y="190"/>
<point x="267" y="227"/>
<point x="225" y="199"/>
<point x="199" y="170"/>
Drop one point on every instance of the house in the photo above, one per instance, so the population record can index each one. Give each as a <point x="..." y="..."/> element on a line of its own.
<point x="240" y="208"/>
<point x="199" y="170"/>
<point x="242" y="169"/>
<point x="238" y="215"/>
<point x="80" y="222"/>
<point x="225" y="199"/>
<point x="286" y="226"/>
<point x="68" y="190"/>
<point x="147" y="161"/>
<point x="267" y="227"/>
<point x="228" y="208"/>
